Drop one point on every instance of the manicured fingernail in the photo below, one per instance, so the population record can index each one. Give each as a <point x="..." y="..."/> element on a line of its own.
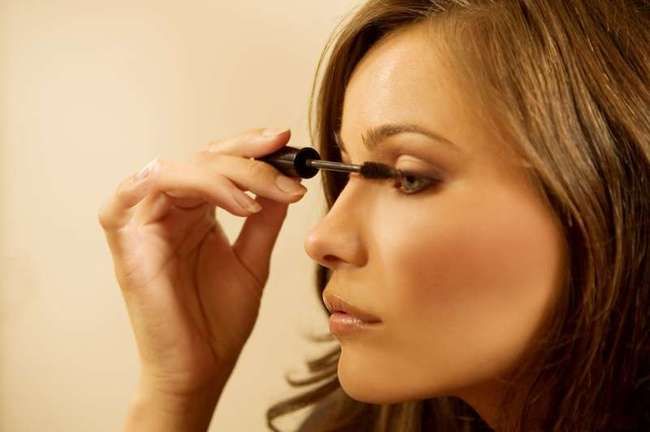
<point x="287" y="184"/>
<point x="271" y="132"/>
<point x="144" y="172"/>
<point x="247" y="202"/>
<point x="254" y="207"/>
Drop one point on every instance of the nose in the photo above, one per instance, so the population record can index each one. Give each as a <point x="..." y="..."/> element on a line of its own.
<point x="337" y="239"/>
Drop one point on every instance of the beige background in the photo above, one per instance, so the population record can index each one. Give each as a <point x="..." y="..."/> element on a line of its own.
<point x="91" y="92"/>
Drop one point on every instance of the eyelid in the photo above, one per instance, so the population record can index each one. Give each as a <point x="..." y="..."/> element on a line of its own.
<point x="425" y="168"/>
<point x="430" y="171"/>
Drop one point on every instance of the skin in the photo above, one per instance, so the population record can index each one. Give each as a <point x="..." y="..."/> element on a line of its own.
<point x="462" y="274"/>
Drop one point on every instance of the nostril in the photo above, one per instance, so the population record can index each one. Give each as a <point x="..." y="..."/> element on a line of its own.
<point x="329" y="260"/>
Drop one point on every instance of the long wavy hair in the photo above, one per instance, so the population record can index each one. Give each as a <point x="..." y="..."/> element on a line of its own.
<point x="567" y="82"/>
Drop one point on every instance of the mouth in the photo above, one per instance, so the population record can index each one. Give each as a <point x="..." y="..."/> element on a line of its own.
<point x="336" y="305"/>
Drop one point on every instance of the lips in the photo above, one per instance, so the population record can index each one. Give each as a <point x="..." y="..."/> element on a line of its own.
<point x="337" y="304"/>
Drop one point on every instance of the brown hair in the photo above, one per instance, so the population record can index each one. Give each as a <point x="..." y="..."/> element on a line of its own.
<point x="567" y="81"/>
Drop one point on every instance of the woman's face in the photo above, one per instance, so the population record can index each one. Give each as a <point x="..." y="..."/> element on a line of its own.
<point x="461" y="274"/>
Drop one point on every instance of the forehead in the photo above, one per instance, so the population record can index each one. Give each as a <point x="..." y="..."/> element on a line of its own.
<point x="410" y="76"/>
<point x="404" y="77"/>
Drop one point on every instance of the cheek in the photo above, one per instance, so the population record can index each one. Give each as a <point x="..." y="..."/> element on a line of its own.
<point x="508" y="252"/>
<point x="481" y="272"/>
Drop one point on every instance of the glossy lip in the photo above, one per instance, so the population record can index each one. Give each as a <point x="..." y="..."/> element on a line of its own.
<point x="335" y="303"/>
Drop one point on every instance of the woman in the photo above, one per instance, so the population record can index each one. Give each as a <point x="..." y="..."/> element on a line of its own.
<point x="510" y="279"/>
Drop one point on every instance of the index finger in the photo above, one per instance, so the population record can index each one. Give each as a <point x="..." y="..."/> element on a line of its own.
<point x="251" y="144"/>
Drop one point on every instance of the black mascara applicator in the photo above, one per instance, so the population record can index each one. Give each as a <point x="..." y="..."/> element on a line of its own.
<point x="306" y="162"/>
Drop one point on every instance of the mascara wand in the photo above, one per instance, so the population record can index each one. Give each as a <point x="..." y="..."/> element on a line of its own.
<point x="306" y="162"/>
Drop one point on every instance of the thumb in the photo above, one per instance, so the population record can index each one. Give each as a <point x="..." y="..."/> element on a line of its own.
<point x="257" y="237"/>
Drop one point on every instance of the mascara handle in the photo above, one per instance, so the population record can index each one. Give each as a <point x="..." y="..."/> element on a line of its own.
<point x="292" y="161"/>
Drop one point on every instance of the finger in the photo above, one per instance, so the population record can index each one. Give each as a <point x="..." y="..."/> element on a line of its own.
<point x="157" y="206"/>
<point x="152" y="208"/>
<point x="256" y="176"/>
<point x="187" y="181"/>
<point x="117" y="211"/>
<point x="252" y="143"/>
<point x="258" y="236"/>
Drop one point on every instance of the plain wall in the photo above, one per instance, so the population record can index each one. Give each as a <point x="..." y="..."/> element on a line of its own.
<point x="91" y="91"/>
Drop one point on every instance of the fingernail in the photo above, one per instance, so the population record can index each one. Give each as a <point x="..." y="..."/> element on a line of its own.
<point x="144" y="172"/>
<point x="254" y="207"/>
<point x="286" y="184"/>
<point x="271" y="132"/>
<point x="247" y="202"/>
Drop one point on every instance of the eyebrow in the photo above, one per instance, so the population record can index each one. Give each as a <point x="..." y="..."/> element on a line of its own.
<point x="375" y="135"/>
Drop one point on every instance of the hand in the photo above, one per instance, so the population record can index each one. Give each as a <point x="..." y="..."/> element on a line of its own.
<point x="192" y="297"/>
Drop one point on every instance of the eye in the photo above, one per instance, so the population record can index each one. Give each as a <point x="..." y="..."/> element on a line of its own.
<point x="411" y="183"/>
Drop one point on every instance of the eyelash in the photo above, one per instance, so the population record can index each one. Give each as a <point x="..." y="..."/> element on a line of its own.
<point x="428" y="181"/>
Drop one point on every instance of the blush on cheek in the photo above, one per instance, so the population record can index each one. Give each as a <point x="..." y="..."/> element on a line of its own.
<point x="467" y="293"/>
<point x="493" y="265"/>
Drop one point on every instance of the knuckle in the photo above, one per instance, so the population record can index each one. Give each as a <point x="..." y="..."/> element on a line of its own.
<point x="122" y="192"/>
<point x="200" y="156"/>
<point x="256" y="169"/>
<point x="251" y="167"/>
<point x="222" y="144"/>
<point x="213" y="146"/>
<point x="213" y="163"/>
<point x="103" y="217"/>
<point x="221" y="182"/>
<point x="216" y="159"/>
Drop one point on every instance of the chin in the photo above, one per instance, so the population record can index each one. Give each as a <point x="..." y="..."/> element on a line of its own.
<point x="371" y="386"/>
<point x="370" y="383"/>
<point x="360" y="394"/>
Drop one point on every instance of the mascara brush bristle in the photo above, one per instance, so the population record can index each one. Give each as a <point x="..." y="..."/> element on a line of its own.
<point x="377" y="170"/>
